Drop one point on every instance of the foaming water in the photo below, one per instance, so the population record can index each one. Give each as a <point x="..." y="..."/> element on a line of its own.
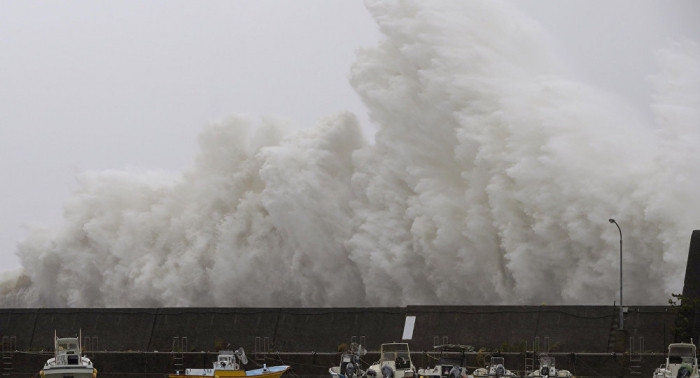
<point x="490" y="181"/>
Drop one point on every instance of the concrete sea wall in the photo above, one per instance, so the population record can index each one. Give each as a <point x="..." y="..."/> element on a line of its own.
<point x="154" y="342"/>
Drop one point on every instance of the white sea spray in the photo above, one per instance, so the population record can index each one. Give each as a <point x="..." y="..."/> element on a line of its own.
<point x="490" y="181"/>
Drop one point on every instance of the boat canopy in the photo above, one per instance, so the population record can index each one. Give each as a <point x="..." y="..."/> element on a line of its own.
<point x="453" y="354"/>
<point x="681" y="350"/>
<point x="681" y="354"/>
<point x="396" y="352"/>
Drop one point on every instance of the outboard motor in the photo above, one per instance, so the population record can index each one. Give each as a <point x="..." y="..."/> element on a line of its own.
<point x="455" y="372"/>
<point x="387" y="371"/>
<point x="544" y="371"/>
<point x="371" y="373"/>
<point x="683" y="372"/>
<point x="500" y="371"/>
<point x="350" y="370"/>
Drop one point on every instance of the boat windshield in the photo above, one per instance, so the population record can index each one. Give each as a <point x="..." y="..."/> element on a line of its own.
<point x="681" y="354"/>
<point x="69" y="346"/>
<point x="496" y="361"/>
<point x="392" y="352"/>
<point x="547" y="361"/>
<point x="681" y="351"/>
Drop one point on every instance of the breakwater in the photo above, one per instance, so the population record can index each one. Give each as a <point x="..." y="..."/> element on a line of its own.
<point x="159" y="341"/>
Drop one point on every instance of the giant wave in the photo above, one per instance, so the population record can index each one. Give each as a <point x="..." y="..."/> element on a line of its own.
<point x="490" y="181"/>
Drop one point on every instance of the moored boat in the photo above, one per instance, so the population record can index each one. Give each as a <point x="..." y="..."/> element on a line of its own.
<point x="681" y="362"/>
<point x="394" y="362"/>
<point x="496" y="368"/>
<point x="548" y="369"/>
<point x="68" y="361"/>
<point x="349" y="363"/>
<point x="228" y="364"/>
<point x="451" y="363"/>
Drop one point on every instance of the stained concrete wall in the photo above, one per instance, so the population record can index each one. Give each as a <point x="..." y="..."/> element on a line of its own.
<point x="120" y="329"/>
<point x="308" y="339"/>
<point x="323" y="330"/>
<point x="208" y="328"/>
<point x="286" y="329"/>
<point x="567" y="328"/>
<point x="19" y="324"/>
<point x="691" y="284"/>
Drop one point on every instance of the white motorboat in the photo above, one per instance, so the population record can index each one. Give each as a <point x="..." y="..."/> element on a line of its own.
<point x="451" y="362"/>
<point x="68" y="361"/>
<point x="681" y="362"/>
<point x="394" y="362"/>
<point x="548" y="369"/>
<point x="496" y="368"/>
<point x="349" y="364"/>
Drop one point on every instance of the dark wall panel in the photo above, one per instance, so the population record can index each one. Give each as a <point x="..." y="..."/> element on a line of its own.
<point x="209" y="328"/>
<point x="324" y="329"/>
<point x="114" y="329"/>
<point x="566" y="328"/>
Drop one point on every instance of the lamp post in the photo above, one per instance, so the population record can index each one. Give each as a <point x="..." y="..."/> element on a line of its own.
<point x="619" y="229"/>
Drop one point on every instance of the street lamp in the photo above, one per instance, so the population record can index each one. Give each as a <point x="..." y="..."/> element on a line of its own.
<point x="618" y="227"/>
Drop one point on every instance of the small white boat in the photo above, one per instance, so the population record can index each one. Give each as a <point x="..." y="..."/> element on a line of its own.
<point x="548" y="369"/>
<point x="496" y="368"/>
<point x="451" y="363"/>
<point x="394" y="362"/>
<point x="68" y="361"/>
<point x="681" y="362"/>
<point x="349" y="364"/>
<point x="227" y="365"/>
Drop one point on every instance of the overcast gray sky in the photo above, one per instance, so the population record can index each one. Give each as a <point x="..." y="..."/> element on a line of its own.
<point x="90" y="85"/>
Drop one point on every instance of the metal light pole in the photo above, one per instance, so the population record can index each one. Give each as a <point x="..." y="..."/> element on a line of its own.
<point x="619" y="229"/>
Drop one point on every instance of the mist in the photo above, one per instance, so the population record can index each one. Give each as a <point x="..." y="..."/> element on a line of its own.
<point x="490" y="180"/>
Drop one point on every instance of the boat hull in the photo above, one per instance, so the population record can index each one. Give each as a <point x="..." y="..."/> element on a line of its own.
<point x="72" y="371"/>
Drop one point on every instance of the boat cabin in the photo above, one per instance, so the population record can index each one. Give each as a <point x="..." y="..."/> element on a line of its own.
<point x="682" y="354"/>
<point x="681" y="362"/>
<point x="496" y="368"/>
<point x="226" y="361"/>
<point x="394" y="362"/>
<point x="396" y="355"/>
<point x="68" y="351"/>
<point x="548" y="366"/>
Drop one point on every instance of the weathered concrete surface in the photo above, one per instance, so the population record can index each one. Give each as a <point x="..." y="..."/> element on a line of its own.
<point x="132" y="335"/>
<point x="122" y="329"/>
<point x="561" y="328"/>
<point x="209" y="328"/>
<point x="20" y="324"/>
<point x="691" y="293"/>
<point x="323" y="330"/>
<point x="691" y="284"/>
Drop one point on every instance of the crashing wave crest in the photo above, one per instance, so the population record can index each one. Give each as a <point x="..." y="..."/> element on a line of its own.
<point x="490" y="181"/>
